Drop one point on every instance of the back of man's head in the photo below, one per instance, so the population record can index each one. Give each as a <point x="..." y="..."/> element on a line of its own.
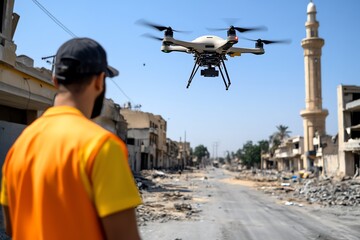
<point x="78" y="59"/>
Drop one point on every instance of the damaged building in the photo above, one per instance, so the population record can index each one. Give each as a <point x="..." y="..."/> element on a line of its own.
<point x="148" y="131"/>
<point x="25" y="91"/>
<point x="288" y="155"/>
<point x="148" y="144"/>
<point x="349" y="128"/>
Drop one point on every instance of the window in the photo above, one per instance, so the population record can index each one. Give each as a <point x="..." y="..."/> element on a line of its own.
<point x="130" y="141"/>
<point x="2" y="14"/>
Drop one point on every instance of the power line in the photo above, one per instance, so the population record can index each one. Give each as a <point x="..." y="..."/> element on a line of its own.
<point x="60" y="24"/>
<point x="54" y="18"/>
<point x="121" y="90"/>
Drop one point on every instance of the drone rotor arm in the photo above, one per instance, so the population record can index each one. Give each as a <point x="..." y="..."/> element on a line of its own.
<point x="235" y="51"/>
<point x="172" y="48"/>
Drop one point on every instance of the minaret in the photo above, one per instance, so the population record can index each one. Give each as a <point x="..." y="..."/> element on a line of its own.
<point x="313" y="115"/>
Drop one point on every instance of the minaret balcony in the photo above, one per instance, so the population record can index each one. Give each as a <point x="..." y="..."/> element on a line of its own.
<point x="312" y="42"/>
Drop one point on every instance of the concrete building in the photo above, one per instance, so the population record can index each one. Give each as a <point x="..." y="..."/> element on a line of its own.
<point x="184" y="154"/>
<point x="150" y="129"/>
<point x="349" y="129"/>
<point x="25" y="91"/>
<point x="135" y="149"/>
<point x="288" y="155"/>
<point x="313" y="115"/>
<point x="172" y="160"/>
<point x="111" y="119"/>
<point x="267" y="161"/>
<point x="326" y="154"/>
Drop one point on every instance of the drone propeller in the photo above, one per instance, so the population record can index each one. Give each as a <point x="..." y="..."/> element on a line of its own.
<point x="152" y="36"/>
<point x="285" y="41"/>
<point x="240" y="29"/>
<point x="158" y="27"/>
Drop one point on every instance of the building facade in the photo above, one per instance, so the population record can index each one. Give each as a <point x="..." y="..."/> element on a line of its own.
<point x="150" y="129"/>
<point x="288" y="155"/>
<point x="25" y="91"/>
<point x="349" y="129"/>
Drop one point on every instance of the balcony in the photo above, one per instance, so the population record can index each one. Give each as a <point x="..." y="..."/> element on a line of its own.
<point x="153" y="130"/>
<point x="352" y="145"/>
<point x="296" y="151"/>
<point x="283" y="154"/>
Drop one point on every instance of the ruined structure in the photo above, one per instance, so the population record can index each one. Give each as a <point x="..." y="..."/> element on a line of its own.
<point x="150" y="129"/>
<point x="25" y="91"/>
<point x="288" y="154"/>
<point x="349" y="129"/>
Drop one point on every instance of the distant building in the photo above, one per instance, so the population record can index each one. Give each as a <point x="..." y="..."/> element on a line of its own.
<point x="150" y="129"/>
<point x="172" y="153"/>
<point x="289" y="153"/>
<point x="349" y="129"/>
<point x="111" y="119"/>
<point x="184" y="154"/>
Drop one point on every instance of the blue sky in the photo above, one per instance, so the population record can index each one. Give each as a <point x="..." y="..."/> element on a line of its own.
<point x="266" y="91"/>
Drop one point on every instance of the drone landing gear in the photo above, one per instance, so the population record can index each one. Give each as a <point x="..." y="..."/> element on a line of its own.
<point x="193" y="72"/>
<point x="211" y="72"/>
<point x="228" y="83"/>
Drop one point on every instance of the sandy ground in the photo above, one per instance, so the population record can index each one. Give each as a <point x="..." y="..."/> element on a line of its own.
<point x="226" y="208"/>
<point x="182" y="189"/>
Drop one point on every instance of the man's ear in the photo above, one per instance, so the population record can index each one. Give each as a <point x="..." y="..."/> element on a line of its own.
<point x="99" y="82"/>
<point x="55" y="81"/>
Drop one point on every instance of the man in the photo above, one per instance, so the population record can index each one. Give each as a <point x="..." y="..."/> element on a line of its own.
<point x="66" y="177"/>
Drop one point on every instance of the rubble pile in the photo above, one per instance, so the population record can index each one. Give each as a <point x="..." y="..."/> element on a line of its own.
<point x="153" y="212"/>
<point x="259" y="175"/>
<point x="162" y="199"/>
<point x="328" y="192"/>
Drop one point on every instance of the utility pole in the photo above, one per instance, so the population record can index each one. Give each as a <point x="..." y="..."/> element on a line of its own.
<point x="215" y="148"/>
<point x="185" y="148"/>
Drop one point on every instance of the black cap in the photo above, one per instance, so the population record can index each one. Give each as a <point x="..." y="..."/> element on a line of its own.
<point x="81" y="57"/>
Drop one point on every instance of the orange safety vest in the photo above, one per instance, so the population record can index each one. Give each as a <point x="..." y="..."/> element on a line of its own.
<point x="45" y="191"/>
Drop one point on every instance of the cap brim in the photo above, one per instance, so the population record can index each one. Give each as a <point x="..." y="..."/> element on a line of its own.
<point x="111" y="72"/>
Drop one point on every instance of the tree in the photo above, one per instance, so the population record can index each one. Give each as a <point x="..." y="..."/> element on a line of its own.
<point x="264" y="146"/>
<point x="200" y="152"/>
<point x="250" y="154"/>
<point x="276" y="138"/>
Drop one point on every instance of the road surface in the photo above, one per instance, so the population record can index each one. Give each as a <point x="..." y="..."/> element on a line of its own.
<point x="233" y="211"/>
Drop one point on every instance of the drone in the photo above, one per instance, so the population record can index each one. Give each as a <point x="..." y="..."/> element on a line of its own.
<point x="210" y="52"/>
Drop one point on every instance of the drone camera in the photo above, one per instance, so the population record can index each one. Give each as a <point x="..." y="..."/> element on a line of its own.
<point x="210" y="72"/>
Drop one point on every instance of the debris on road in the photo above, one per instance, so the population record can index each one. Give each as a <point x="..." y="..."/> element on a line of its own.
<point x="167" y="196"/>
<point x="325" y="191"/>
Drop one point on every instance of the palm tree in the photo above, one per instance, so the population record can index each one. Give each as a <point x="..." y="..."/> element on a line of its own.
<point x="276" y="138"/>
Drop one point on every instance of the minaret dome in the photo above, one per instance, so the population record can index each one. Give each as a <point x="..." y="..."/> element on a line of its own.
<point x="311" y="12"/>
<point x="311" y="8"/>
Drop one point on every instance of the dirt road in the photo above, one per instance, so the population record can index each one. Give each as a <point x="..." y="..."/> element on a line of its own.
<point x="227" y="209"/>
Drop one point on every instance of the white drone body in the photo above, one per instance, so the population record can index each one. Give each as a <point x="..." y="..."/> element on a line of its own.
<point x="207" y="44"/>
<point x="209" y="51"/>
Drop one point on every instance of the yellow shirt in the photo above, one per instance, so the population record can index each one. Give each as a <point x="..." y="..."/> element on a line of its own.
<point x="62" y="174"/>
